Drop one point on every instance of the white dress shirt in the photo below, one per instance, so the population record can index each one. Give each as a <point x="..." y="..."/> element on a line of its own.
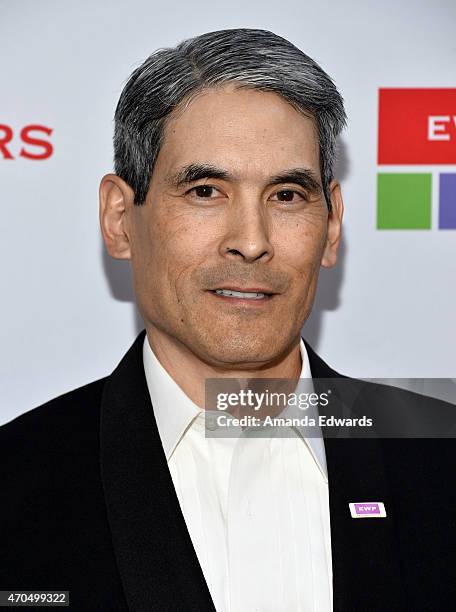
<point x="257" y="509"/>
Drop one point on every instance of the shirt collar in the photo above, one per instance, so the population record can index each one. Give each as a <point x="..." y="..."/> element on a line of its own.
<point x="174" y="411"/>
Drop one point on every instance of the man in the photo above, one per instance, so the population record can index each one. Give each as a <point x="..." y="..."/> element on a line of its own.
<point x="224" y="201"/>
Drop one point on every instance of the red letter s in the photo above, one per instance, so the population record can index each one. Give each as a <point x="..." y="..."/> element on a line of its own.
<point x="37" y="142"/>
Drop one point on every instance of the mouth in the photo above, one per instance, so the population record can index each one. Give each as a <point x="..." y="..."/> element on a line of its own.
<point x="246" y="296"/>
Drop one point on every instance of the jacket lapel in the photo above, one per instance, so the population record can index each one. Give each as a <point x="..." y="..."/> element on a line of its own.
<point x="158" y="565"/>
<point x="365" y="558"/>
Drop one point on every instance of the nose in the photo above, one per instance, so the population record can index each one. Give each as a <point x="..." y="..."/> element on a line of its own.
<point x="247" y="233"/>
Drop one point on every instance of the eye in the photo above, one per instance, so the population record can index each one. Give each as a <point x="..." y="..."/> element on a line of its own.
<point x="287" y="195"/>
<point x="203" y="192"/>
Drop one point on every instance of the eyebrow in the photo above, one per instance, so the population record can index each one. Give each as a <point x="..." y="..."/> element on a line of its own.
<point x="305" y="177"/>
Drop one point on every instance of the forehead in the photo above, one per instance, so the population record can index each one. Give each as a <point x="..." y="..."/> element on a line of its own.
<point x="241" y="129"/>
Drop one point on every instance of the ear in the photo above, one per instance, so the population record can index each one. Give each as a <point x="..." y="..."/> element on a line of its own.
<point x="333" y="236"/>
<point x="116" y="200"/>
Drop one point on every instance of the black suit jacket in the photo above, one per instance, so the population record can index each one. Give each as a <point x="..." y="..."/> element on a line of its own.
<point x="88" y="505"/>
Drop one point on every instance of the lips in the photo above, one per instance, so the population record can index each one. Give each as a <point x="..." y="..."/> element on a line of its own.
<point x="242" y="295"/>
<point x="237" y="288"/>
<point x="251" y="298"/>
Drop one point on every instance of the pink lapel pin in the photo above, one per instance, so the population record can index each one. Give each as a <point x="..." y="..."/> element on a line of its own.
<point x="367" y="510"/>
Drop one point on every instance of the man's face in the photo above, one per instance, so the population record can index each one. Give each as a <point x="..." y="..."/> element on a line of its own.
<point x="255" y="220"/>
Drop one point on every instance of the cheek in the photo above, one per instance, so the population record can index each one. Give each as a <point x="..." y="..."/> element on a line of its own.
<point x="300" y="246"/>
<point x="176" y="246"/>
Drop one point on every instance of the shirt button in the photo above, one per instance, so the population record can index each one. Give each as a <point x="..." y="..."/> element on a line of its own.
<point x="211" y="422"/>
<point x="248" y="512"/>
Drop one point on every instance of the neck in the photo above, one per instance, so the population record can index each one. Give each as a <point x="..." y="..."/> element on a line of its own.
<point x="190" y="372"/>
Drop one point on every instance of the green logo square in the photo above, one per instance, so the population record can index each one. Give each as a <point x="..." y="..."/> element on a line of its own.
<point x="404" y="201"/>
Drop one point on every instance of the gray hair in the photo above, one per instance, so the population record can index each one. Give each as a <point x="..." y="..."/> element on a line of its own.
<point x="256" y="59"/>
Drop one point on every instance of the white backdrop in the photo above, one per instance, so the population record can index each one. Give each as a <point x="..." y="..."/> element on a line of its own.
<point x="68" y="316"/>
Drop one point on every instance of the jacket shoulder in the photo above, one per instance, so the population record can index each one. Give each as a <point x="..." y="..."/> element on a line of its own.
<point x="57" y="421"/>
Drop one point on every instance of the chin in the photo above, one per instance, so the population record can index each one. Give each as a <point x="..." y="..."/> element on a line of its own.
<point x="245" y="349"/>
